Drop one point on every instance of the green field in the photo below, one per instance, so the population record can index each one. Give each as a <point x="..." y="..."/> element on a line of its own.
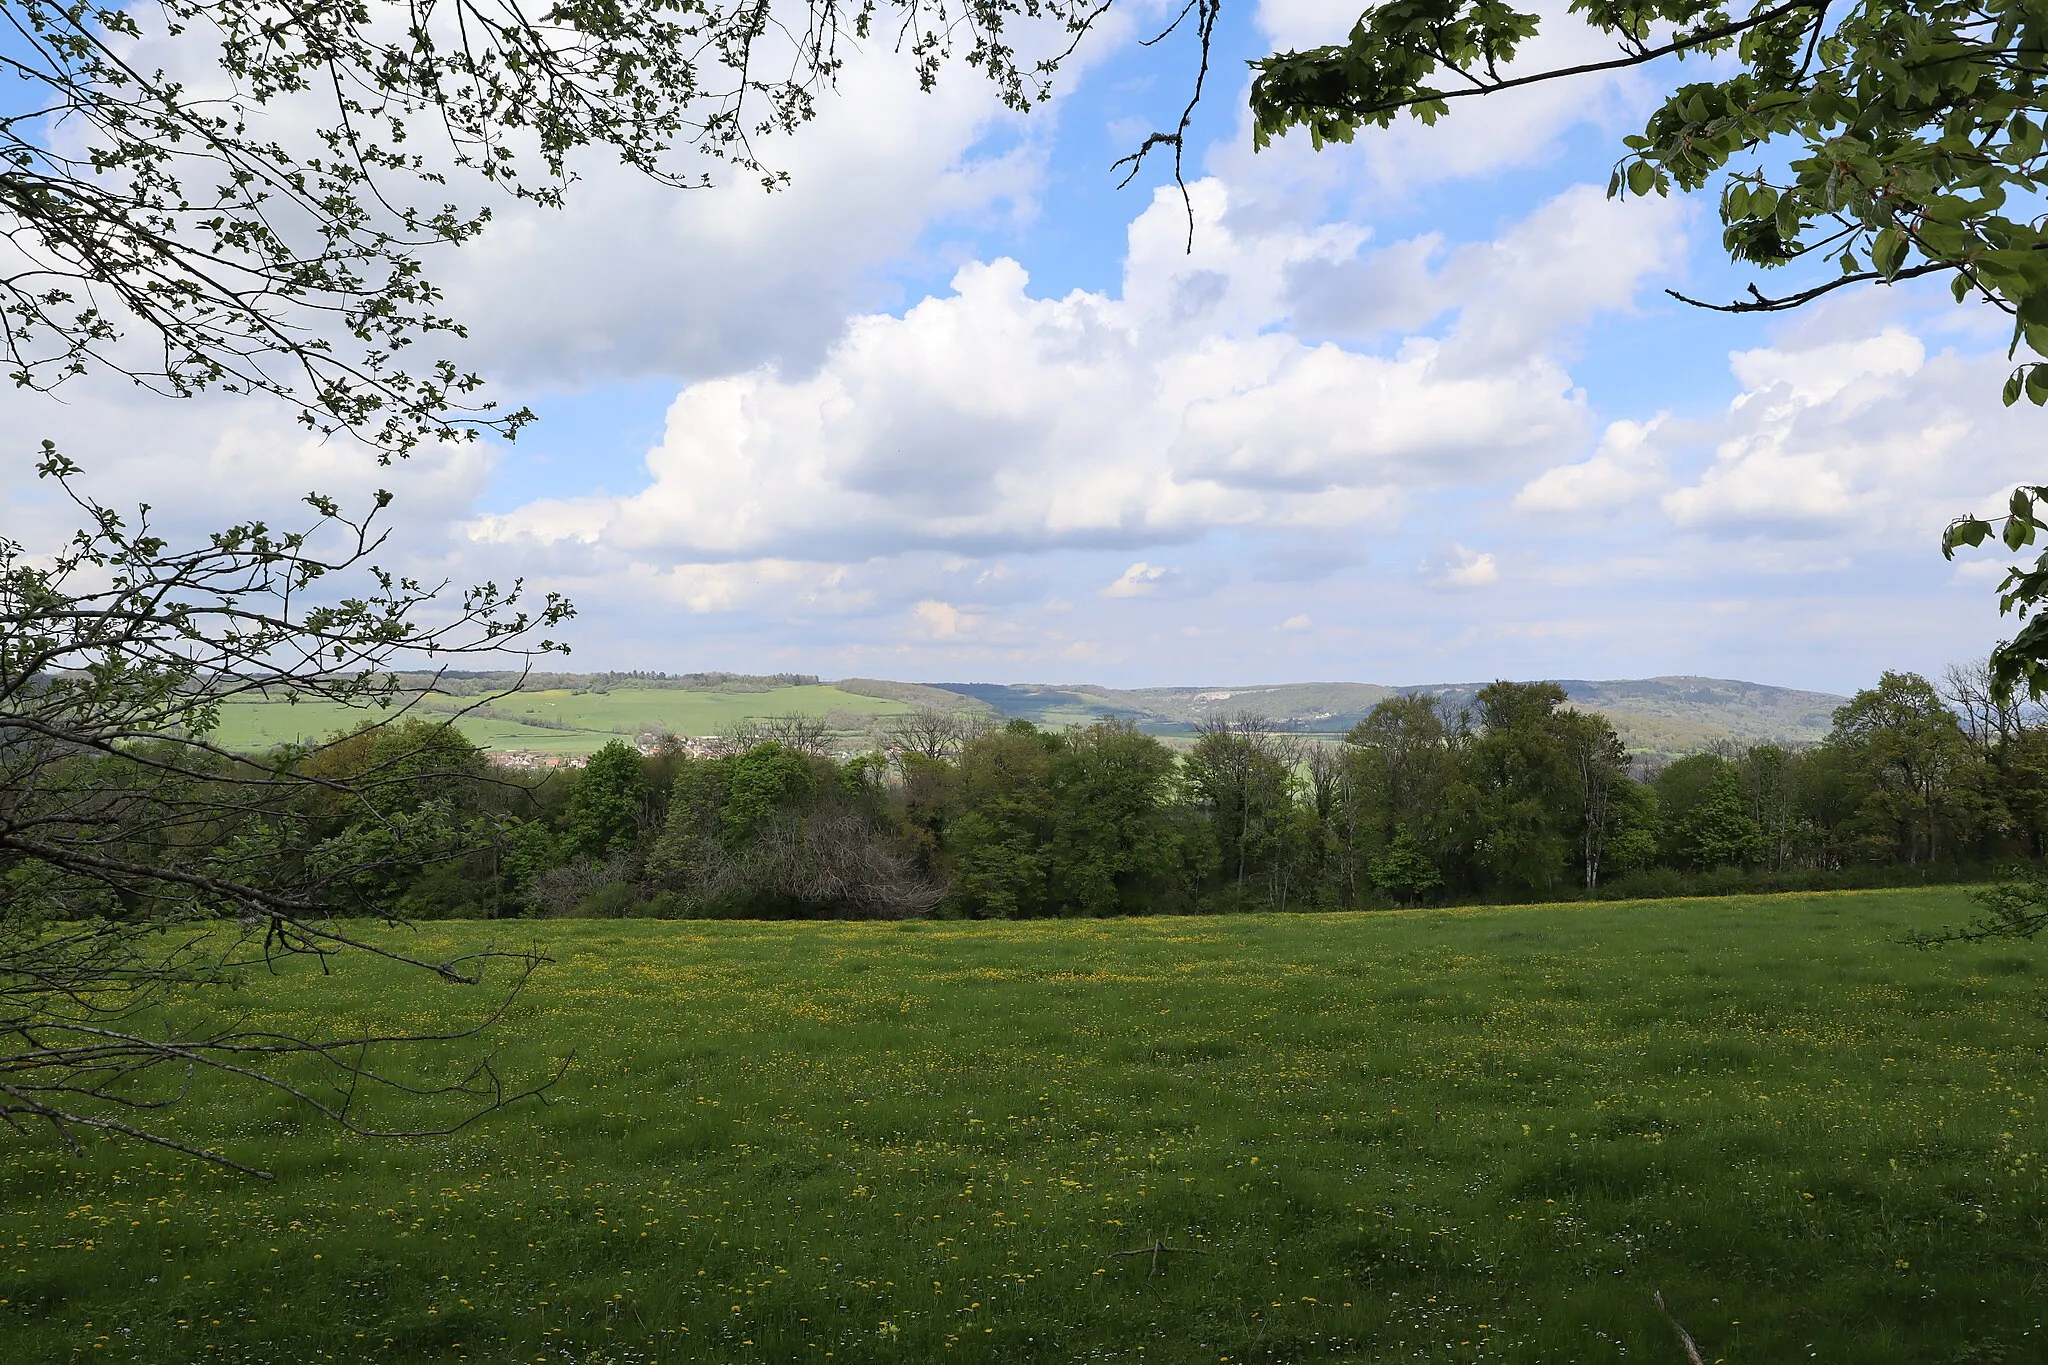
<point x="594" y="718"/>
<point x="1451" y="1135"/>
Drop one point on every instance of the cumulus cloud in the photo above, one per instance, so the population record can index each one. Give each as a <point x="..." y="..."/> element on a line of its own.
<point x="1455" y="567"/>
<point x="1574" y="256"/>
<point x="1852" y="436"/>
<point x="1624" y="466"/>
<point x="942" y="620"/>
<point x="992" y="420"/>
<point x="994" y="480"/>
<point x="204" y="463"/>
<point x="1137" y="581"/>
<point x="631" y="278"/>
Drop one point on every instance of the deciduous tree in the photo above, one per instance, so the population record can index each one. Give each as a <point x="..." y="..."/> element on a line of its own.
<point x="1241" y="771"/>
<point x="1114" y="845"/>
<point x="146" y="870"/>
<point x="1596" y="765"/>
<point x="1404" y="870"/>
<point x="610" y="803"/>
<point x="1000" y="843"/>
<point x="1914" y="758"/>
<point x="1520" y="769"/>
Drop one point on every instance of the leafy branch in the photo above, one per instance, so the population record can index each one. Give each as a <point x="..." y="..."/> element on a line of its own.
<point x="146" y="872"/>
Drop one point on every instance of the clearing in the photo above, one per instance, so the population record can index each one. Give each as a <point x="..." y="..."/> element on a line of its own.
<point x="1480" y="1134"/>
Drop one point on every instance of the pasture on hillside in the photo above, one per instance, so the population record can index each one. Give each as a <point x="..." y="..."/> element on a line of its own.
<point x="570" y="722"/>
<point x="1461" y="1135"/>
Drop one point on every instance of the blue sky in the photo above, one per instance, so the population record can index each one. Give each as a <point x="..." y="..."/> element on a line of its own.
<point x="954" y="406"/>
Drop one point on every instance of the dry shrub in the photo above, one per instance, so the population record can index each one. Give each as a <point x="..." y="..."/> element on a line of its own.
<point x="828" y="860"/>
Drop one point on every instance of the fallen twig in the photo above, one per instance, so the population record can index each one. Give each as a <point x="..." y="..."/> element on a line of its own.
<point x="1692" y="1352"/>
<point x="1156" y="1250"/>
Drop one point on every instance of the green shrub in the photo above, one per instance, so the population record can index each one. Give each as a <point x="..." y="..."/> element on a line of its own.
<point x="614" y="900"/>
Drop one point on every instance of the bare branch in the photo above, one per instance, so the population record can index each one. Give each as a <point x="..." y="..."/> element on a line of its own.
<point x="1206" y="12"/>
<point x="1758" y="302"/>
<point x="150" y="872"/>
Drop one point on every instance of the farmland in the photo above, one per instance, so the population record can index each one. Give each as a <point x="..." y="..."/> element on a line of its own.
<point x="558" y="720"/>
<point x="1441" y="1135"/>
<point x="577" y="714"/>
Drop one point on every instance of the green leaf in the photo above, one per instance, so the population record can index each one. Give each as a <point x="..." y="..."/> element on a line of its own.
<point x="1642" y="177"/>
<point x="1787" y="218"/>
<point x="2037" y="384"/>
<point x="1970" y="531"/>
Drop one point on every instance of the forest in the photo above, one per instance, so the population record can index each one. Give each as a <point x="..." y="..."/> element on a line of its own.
<point x="1517" y="796"/>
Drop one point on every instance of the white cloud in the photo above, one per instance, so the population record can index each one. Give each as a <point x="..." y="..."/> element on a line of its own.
<point x="632" y="278"/>
<point x="991" y="419"/>
<point x="942" y="620"/>
<point x="730" y="587"/>
<point x="1295" y="24"/>
<point x="207" y="462"/>
<point x="1575" y="255"/>
<point x="1851" y="437"/>
<point x="1137" y="581"/>
<point x="1623" y="467"/>
<point x="1816" y="373"/>
<point x="1353" y="366"/>
<point x="1982" y="573"/>
<point x="1457" y="567"/>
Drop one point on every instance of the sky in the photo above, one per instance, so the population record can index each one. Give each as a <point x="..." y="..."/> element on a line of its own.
<point x="953" y="406"/>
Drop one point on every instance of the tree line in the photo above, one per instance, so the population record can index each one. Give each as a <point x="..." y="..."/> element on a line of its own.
<point x="1516" y="795"/>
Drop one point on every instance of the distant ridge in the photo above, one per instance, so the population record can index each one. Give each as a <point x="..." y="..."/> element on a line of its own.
<point x="578" y="713"/>
<point x="1665" y="715"/>
<point x="469" y="683"/>
<point x="915" y="694"/>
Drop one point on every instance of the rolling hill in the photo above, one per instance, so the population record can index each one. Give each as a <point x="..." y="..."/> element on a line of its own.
<point x="572" y="714"/>
<point x="1667" y="715"/>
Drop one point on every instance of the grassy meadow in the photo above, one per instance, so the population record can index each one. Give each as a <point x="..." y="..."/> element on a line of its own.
<point x="1485" y="1134"/>
<point x="571" y="722"/>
